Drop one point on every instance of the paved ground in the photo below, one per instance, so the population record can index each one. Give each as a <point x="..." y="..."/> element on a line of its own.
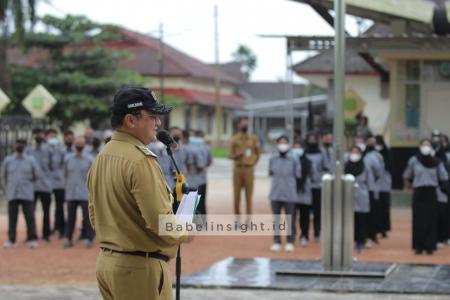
<point x="27" y="293"/>
<point x="51" y="266"/>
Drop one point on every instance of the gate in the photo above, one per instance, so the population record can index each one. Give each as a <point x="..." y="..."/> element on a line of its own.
<point x="17" y="127"/>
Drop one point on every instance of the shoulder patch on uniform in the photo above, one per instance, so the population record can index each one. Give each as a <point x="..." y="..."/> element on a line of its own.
<point x="145" y="150"/>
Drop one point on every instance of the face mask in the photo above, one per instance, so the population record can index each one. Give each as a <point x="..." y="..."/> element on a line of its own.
<point x="378" y="148"/>
<point x="53" y="142"/>
<point x="176" y="138"/>
<point x="79" y="148"/>
<point x="426" y="150"/>
<point x="20" y="149"/>
<point x="194" y="140"/>
<point x="297" y="152"/>
<point x="327" y="144"/>
<point x="39" y="140"/>
<point x="354" y="157"/>
<point x="283" y="148"/>
<point x="160" y="146"/>
<point x="362" y="147"/>
<point x="68" y="144"/>
<point x="96" y="143"/>
<point x="244" y="129"/>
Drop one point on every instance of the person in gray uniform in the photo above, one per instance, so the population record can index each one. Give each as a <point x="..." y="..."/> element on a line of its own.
<point x="375" y="163"/>
<point x="58" y="182"/>
<point x="304" y="205"/>
<point x="361" y="206"/>
<point x="180" y="154"/>
<point x="43" y="186"/>
<point x="18" y="173"/>
<point x="196" y="175"/>
<point x="68" y="142"/>
<point x="284" y="170"/>
<point x="327" y="150"/>
<point x="205" y="151"/>
<point x="315" y="155"/>
<point x="445" y="142"/>
<point x="76" y="167"/>
<point x="165" y="162"/>
<point x="384" y="186"/>
<point x="425" y="171"/>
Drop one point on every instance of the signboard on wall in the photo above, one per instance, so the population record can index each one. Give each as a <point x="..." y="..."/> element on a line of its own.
<point x="39" y="102"/>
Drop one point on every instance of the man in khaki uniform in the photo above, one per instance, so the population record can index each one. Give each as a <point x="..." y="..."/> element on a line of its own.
<point x="127" y="195"/>
<point x="245" y="152"/>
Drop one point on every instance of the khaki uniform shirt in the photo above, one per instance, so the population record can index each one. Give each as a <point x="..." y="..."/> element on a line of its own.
<point x="247" y="145"/>
<point x="127" y="193"/>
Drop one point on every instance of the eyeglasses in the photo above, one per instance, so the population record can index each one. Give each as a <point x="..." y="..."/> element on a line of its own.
<point x="151" y="117"/>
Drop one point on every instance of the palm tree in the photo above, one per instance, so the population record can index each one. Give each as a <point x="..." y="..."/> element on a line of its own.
<point x="19" y="11"/>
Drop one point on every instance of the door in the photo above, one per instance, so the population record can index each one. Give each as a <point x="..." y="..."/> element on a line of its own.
<point x="435" y="106"/>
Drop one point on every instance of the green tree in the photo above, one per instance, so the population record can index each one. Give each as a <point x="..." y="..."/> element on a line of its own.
<point x="80" y="73"/>
<point x="19" y="13"/>
<point x="245" y="56"/>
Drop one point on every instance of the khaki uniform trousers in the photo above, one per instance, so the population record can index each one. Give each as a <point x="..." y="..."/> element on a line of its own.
<point x="243" y="178"/>
<point x="129" y="277"/>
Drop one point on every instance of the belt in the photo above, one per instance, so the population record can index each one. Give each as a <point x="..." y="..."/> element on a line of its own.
<point x="244" y="166"/>
<point x="140" y="253"/>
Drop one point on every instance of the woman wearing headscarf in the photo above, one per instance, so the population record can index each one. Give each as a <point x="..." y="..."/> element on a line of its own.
<point x="304" y="205"/>
<point x="318" y="163"/>
<point x="356" y="167"/>
<point x="384" y="186"/>
<point x="425" y="171"/>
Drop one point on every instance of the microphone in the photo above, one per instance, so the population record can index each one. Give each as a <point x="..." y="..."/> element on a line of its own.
<point x="164" y="137"/>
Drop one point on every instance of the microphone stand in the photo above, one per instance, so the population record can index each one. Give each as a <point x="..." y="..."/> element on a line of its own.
<point x="180" y="189"/>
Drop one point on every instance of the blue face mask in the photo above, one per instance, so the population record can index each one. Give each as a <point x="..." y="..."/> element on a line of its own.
<point x="194" y="140"/>
<point x="297" y="152"/>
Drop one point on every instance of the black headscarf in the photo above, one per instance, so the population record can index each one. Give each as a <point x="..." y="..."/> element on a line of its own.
<point x="385" y="152"/>
<point x="306" y="170"/>
<point x="312" y="148"/>
<point x="354" y="168"/>
<point x="427" y="160"/>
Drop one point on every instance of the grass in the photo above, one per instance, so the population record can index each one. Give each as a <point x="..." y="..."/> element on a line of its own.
<point x="220" y="152"/>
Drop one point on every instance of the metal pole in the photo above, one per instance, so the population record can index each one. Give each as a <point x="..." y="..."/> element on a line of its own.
<point x="289" y="92"/>
<point x="218" y="108"/>
<point x="339" y="88"/>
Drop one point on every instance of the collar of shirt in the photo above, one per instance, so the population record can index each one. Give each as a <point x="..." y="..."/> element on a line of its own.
<point x="126" y="137"/>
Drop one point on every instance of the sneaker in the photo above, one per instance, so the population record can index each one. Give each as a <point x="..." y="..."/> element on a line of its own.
<point x="32" y="244"/>
<point x="9" y="245"/>
<point x="67" y="244"/>
<point x="369" y="244"/>
<point x="303" y="242"/>
<point x="275" y="247"/>
<point x="289" y="247"/>
<point x="46" y="240"/>
<point x="417" y="252"/>
<point x="440" y="245"/>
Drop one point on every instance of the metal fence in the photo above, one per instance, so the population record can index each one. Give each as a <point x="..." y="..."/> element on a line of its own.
<point x="16" y="127"/>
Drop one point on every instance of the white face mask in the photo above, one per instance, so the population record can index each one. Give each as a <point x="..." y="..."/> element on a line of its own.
<point x="378" y="148"/>
<point x="297" y="152"/>
<point x="362" y="147"/>
<point x="53" y="142"/>
<point x="355" y="157"/>
<point x="283" y="148"/>
<point x="426" y="150"/>
<point x="160" y="146"/>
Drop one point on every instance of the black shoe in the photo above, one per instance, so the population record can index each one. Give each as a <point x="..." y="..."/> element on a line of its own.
<point x="430" y="252"/>
<point x="417" y="252"/>
<point x="384" y="235"/>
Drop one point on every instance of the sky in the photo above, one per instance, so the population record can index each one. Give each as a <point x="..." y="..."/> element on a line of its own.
<point x="189" y="26"/>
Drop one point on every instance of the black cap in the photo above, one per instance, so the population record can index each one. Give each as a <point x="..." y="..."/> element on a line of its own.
<point x="133" y="99"/>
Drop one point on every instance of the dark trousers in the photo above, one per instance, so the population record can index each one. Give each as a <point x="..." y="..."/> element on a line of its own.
<point x="424" y="218"/>
<point x="72" y="218"/>
<point x="316" y="201"/>
<point x="373" y="217"/>
<point x="385" y="206"/>
<point x="28" y="212"/>
<point x="201" y="208"/>
<point x="442" y="220"/>
<point x="289" y="210"/>
<point x="60" y="221"/>
<point x="305" y="212"/>
<point x="360" y="227"/>
<point x="46" y="199"/>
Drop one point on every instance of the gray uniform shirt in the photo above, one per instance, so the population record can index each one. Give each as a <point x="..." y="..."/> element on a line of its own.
<point x="197" y="161"/>
<point x="57" y="169"/>
<point x="76" y="169"/>
<point x="284" y="172"/>
<point x="318" y="163"/>
<point x="165" y="162"/>
<point x="205" y="151"/>
<point x="375" y="164"/>
<point x="423" y="176"/>
<point x="19" y="175"/>
<point x="361" y="201"/>
<point x="181" y="156"/>
<point x="43" y="157"/>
